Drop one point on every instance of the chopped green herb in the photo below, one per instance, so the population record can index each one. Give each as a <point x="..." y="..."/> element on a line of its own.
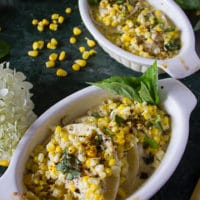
<point x="151" y="142"/>
<point x="96" y="115"/>
<point x="172" y="45"/>
<point x="69" y="165"/>
<point x="119" y="120"/>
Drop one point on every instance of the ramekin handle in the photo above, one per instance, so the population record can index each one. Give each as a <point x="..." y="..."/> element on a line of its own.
<point x="181" y="94"/>
<point x="182" y="66"/>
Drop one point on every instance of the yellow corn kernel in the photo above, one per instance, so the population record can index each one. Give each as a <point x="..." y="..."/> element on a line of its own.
<point x="111" y="162"/>
<point x="81" y="49"/>
<point x="45" y="22"/>
<point x="80" y="62"/>
<point x="40" y="28"/>
<point x="33" y="53"/>
<point x="92" y="52"/>
<point x="108" y="171"/>
<point x="61" y="19"/>
<point x="77" y="31"/>
<point x="50" y="46"/>
<point x="68" y="10"/>
<point x="4" y="163"/>
<point x="61" y="72"/>
<point x="50" y="147"/>
<point x="53" y="27"/>
<point x="35" y="45"/>
<point x="86" y="55"/>
<point x="34" y="22"/>
<point x="90" y="43"/>
<point x="58" y="149"/>
<point x="76" y="67"/>
<point x="41" y="44"/>
<point x="50" y="64"/>
<point x="53" y="56"/>
<point x="71" y="149"/>
<point x="54" y="16"/>
<point x="54" y="41"/>
<point x="72" y="40"/>
<point x="62" y="56"/>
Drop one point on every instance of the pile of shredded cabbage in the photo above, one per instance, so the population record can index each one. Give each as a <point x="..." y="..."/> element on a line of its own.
<point x="16" y="109"/>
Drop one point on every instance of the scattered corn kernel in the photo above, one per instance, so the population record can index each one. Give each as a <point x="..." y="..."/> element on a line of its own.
<point x="68" y="10"/>
<point x="45" y="22"/>
<point x="41" y="44"/>
<point x="40" y="28"/>
<point x="86" y="55"/>
<point x="81" y="49"/>
<point x="77" y="31"/>
<point x="33" y="53"/>
<point x="61" y="72"/>
<point x="54" y="16"/>
<point x="54" y="41"/>
<point x="4" y="163"/>
<point x="53" y="27"/>
<point x="34" y="22"/>
<point x="76" y="67"/>
<point x="62" y="56"/>
<point x="53" y="56"/>
<point x="50" y="64"/>
<point x="61" y="19"/>
<point x="51" y="46"/>
<point x="90" y="43"/>
<point x="35" y="45"/>
<point x="92" y="52"/>
<point x="72" y="40"/>
<point x="81" y="63"/>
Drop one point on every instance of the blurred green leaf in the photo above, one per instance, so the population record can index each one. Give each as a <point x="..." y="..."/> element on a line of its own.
<point x="4" y="48"/>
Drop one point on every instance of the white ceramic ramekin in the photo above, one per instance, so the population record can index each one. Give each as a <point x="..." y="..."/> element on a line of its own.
<point x="176" y="99"/>
<point x="182" y="65"/>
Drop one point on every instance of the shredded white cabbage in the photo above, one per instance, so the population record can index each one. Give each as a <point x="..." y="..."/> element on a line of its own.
<point x="16" y="109"/>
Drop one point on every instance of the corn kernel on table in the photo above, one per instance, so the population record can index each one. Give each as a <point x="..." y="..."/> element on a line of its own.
<point x="49" y="86"/>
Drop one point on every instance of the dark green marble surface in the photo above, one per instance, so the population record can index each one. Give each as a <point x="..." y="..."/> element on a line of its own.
<point x="15" y="20"/>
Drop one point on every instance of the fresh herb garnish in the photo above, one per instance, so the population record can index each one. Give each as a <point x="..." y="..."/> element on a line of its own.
<point x="172" y="45"/>
<point x="96" y="115"/>
<point x="69" y="165"/>
<point x="141" y="89"/>
<point x="119" y="120"/>
<point x="151" y="142"/>
<point x="4" y="48"/>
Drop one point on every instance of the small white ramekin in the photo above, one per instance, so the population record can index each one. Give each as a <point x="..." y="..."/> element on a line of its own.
<point x="182" y="65"/>
<point x="176" y="99"/>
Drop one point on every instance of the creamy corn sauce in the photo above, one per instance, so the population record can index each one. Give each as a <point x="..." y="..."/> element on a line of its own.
<point x="138" y="27"/>
<point x="104" y="155"/>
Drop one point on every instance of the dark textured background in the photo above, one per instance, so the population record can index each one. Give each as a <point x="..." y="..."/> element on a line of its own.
<point x="15" y="21"/>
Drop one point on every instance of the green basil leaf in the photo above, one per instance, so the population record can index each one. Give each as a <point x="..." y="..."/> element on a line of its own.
<point x="119" y="120"/>
<point x="119" y="89"/>
<point x="143" y="88"/>
<point x="4" y="48"/>
<point x="145" y="94"/>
